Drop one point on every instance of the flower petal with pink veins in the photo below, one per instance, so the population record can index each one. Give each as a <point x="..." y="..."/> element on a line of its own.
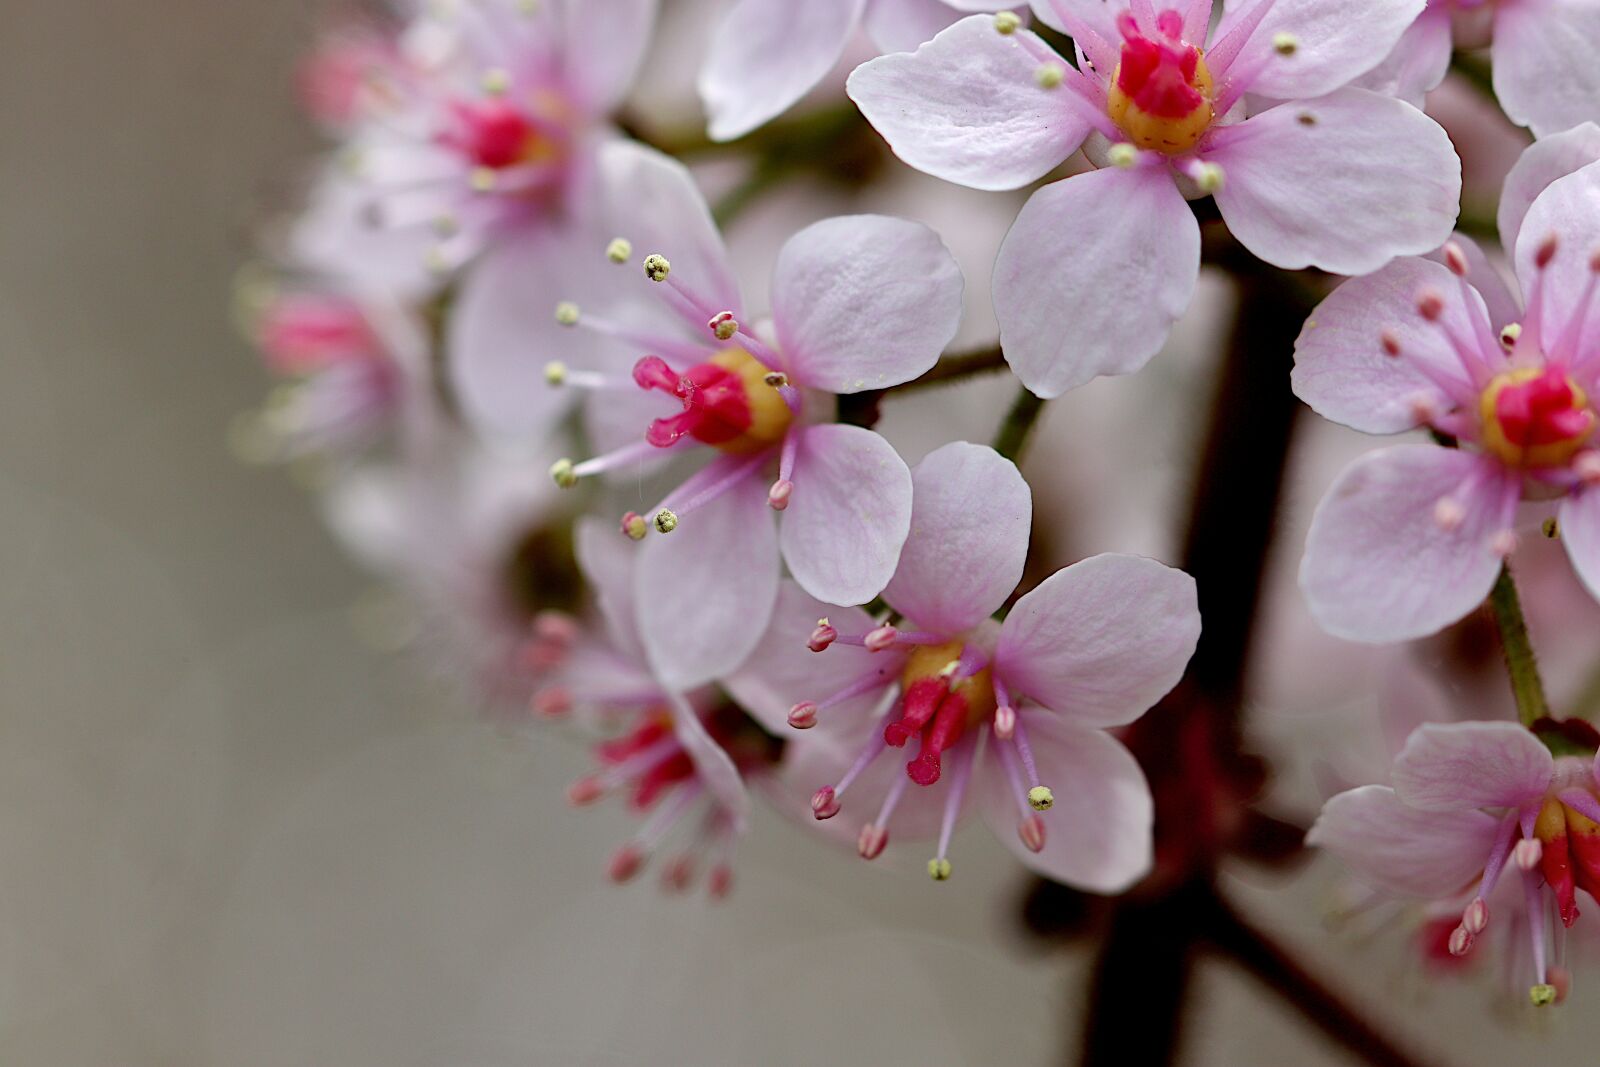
<point x="864" y="302"/>
<point x="766" y="54"/>
<point x="1580" y="533"/>
<point x="1344" y="183"/>
<point x="1491" y="278"/>
<point x="1541" y="163"/>
<point x="652" y="200"/>
<point x="1545" y="74"/>
<point x="1342" y="370"/>
<point x="1425" y="855"/>
<point x="1461" y="766"/>
<point x="503" y="329"/>
<point x="1092" y="276"/>
<point x="1380" y="566"/>
<point x="706" y="591"/>
<point x="1570" y="211"/>
<point x="1331" y="48"/>
<point x="971" y="514"/>
<point x="849" y="515"/>
<point x="901" y="25"/>
<point x="712" y="765"/>
<point x="1101" y="641"/>
<point x="782" y="671"/>
<point x="966" y="107"/>
<point x="1098" y="834"/>
<point x="607" y="562"/>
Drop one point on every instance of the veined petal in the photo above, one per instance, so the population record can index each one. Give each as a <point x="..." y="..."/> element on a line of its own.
<point x="1380" y="566"/>
<point x="965" y="107"/>
<point x="712" y="765"/>
<point x="1102" y="640"/>
<point x="971" y="513"/>
<point x="1330" y="47"/>
<point x="864" y="302"/>
<point x="1569" y="210"/>
<point x="1580" y="533"/>
<point x="1344" y="183"/>
<point x="1092" y="276"/>
<point x="607" y="562"/>
<point x="1465" y="765"/>
<point x="1425" y="855"/>
<point x="1541" y="163"/>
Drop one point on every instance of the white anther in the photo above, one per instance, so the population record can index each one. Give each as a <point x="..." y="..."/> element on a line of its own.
<point x="563" y="473"/>
<point x="1527" y="853"/>
<point x="1209" y="177"/>
<point x="1122" y="155"/>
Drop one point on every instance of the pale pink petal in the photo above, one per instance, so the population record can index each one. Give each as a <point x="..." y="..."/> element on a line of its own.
<point x="901" y="25"/>
<point x="712" y="765"/>
<point x="1380" y="566"/>
<point x="1490" y="277"/>
<point x="1569" y="209"/>
<point x="336" y="235"/>
<point x="1426" y="855"/>
<point x="1322" y="182"/>
<point x="1463" y="765"/>
<point x="1092" y="276"/>
<point x="1545" y="74"/>
<point x="652" y="200"/>
<point x="1342" y="370"/>
<point x="1098" y="834"/>
<point x="607" y="561"/>
<point x="1418" y="63"/>
<point x="766" y="54"/>
<point x="783" y="671"/>
<point x="603" y="42"/>
<point x="970" y="519"/>
<point x="1580" y="533"/>
<point x="1331" y="48"/>
<point x="1543" y="162"/>
<point x="1102" y="640"/>
<point x="1099" y="15"/>
<point x="864" y="302"/>
<point x="965" y="107"/>
<point x="705" y="591"/>
<point x="849" y="515"/>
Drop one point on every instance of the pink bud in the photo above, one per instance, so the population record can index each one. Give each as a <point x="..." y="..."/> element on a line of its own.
<point x="625" y="863"/>
<point x="1586" y="465"/>
<point x="1430" y="305"/>
<point x="552" y="702"/>
<point x="871" y="841"/>
<point x="1031" y="830"/>
<point x="1005" y="722"/>
<point x="803" y="716"/>
<point x="1391" y="344"/>
<point x="1561" y="978"/>
<point x="678" y="874"/>
<point x="881" y="638"/>
<point x="823" y="636"/>
<point x="778" y="496"/>
<point x="824" y="805"/>
<point x="1527" y="854"/>
<point x="1546" y="252"/>
<point x="1460" y="941"/>
<point x="1476" y="917"/>
<point x="721" y="882"/>
<point x="1456" y="259"/>
<point x="585" y="791"/>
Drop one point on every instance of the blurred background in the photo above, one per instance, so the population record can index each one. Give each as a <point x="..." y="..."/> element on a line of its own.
<point x="233" y="832"/>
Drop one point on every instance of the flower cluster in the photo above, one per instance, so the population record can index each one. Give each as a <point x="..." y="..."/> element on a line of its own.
<point x="691" y="498"/>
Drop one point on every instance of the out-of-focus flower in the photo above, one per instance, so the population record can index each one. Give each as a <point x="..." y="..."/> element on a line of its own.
<point x="348" y="363"/>
<point x="1411" y="538"/>
<point x="1098" y="266"/>
<point x="1543" y="54"/>
<point x="677" y="755"/>
<point x="1024" y="705"/>
<point x="767" y="54"/>
<point x="858" y="303"/>
<point x="1467" y="799"/>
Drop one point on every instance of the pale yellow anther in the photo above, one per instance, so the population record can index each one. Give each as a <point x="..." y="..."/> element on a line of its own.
<point x="950" y="668"/>
<point x="1285" y="44"/>
<point x="725" y="329"/>
<point x="1509" y="335"/>
<point x="1122" y="155"/>
<point x="635" y="526"/>
<point x="555" y="372"/>
<point x="562" y="472"/>
<point x="496" y="81"/>
<point x="939" y="869"/>
<point x="437" y="261"/>
<point x="620" y="250"/>
<point x="1049" y="76"/>
<point x="1040" y="798"/>
<point x="1209" y="177"/>
<point x="483" y="180"/>
<point x="568" y="313"/>
<point x="656" y="267"/>
<point x="1006" y="23"/>
<point x="666" y="521"/>
<point x="1543" y="995"/>
<point x="446" y="225"/>
<point x="1551" y="528"/>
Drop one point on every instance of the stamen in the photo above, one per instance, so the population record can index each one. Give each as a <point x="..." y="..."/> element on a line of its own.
<point x="1541" y="993"/>
<point x="939" y="868"/>
<point x="723" y="325"/>
<point x="1006" y="23"/>
<point x="635" y="526"/>
<point x="1455" y="257"/>
<point x="620" y="250"/>
<point x="1533" y="316"/>
<point x="705" y="487"/>
<point x="825" y="802"/>
<point x="803" y="716"/>
<point x="1460" y="941"/>
<point x="778" y="496"/>
<point x="823" y="636"/>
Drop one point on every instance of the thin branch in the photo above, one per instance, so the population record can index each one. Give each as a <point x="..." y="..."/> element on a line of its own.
<point x="1019" y="422"/>
<point x="1521" y="663"/>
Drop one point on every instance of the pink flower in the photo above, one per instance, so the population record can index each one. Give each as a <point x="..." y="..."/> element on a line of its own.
<point x="350" y="362"/>
<point x="767" y="54"/>
<point x="857" y="303"/>
<point x="1543" y="53"/>
<point x="1411" y="538"/>
<point x="682" y="758"/>
<point x="1467" y="799"/>
<point x="1017" y="710"/>
<point x="1099" y="266"/>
